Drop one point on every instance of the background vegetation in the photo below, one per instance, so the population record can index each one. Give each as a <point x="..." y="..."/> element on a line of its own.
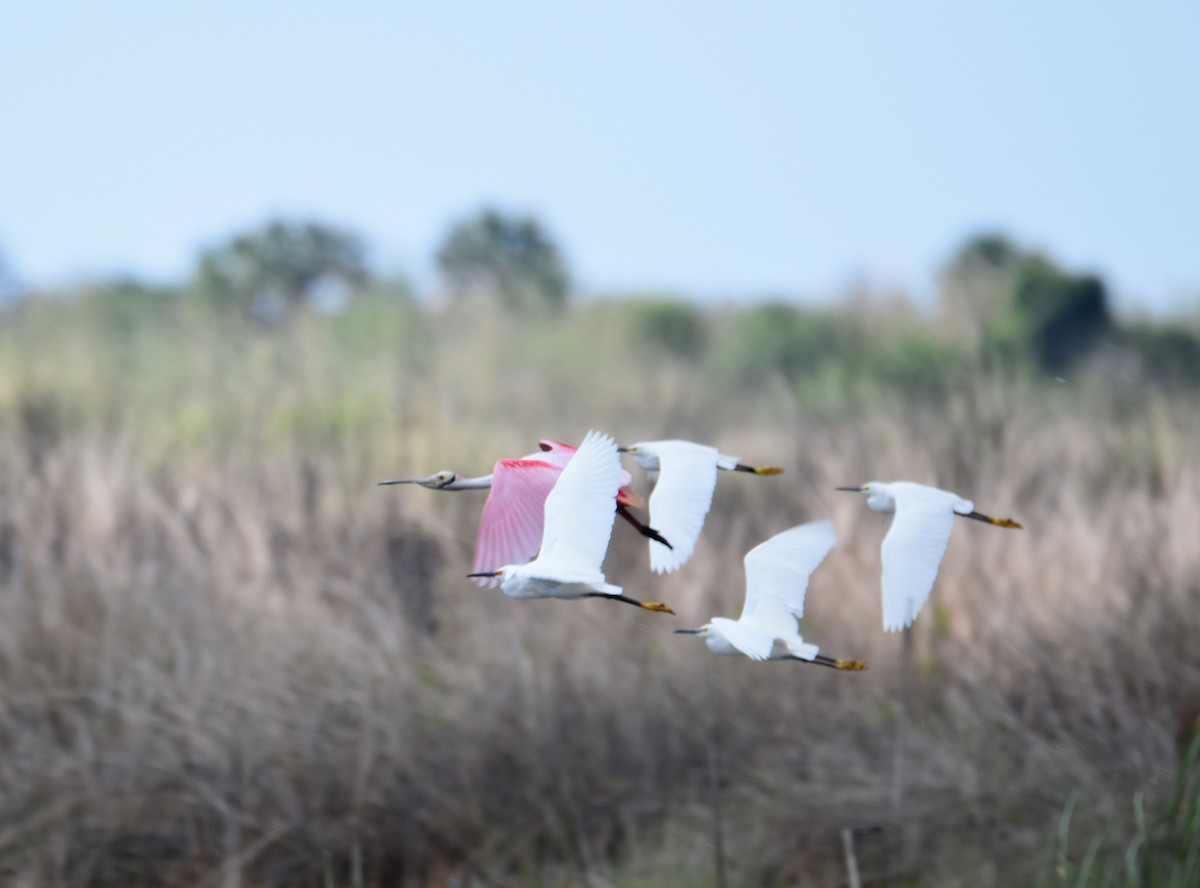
<point x="227" y="658"/>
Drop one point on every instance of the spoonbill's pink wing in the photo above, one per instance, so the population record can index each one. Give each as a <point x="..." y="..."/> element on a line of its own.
<point x="510" y="529"/>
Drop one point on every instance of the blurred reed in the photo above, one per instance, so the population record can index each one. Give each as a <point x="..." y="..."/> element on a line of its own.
<point x="227" y="658"/>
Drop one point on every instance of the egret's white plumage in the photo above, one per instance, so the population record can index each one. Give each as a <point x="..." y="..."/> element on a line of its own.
<point x="686" y="476"/>
<point x="777" y="573"/>
<point x="916" y="541"/>
<point x="578" y="521"/>
<point x="682" y="496"/>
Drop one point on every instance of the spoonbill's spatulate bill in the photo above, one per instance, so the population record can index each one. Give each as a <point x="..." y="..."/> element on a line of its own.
<point x="683" y="492"/>
<point x="579" y="514"/>
<point x="914" y="544"/>
<point x="777" y="573"/>
<point x="510" y="528"/>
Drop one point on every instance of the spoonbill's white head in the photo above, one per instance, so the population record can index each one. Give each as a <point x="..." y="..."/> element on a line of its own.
<point x="436" y="481"/>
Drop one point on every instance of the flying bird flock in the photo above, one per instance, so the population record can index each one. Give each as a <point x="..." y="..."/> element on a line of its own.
<point x="549" y="516"/>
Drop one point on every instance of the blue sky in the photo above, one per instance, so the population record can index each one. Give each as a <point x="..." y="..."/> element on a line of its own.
<point x="772" y="148"/>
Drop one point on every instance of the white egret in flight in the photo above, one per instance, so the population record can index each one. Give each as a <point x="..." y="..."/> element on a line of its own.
<point x="914" y="544"/>
<point x="510" y="528"/>
<point x="683" y="491"/>
<point x="579" y="515"/>
<point x="777" y="573"/>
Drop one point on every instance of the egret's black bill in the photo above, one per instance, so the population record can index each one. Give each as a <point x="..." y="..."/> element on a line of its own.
<point x="688" y="631"/>
<point x="855" y="489"/>
<point x="488" y="573"/>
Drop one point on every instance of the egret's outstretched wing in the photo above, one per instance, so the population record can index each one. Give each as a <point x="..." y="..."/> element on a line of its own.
<point x="912" y="551"/>
<point x="687" y="476"/>
<point x="510" y="528"/>
<point x="751" y="640"/>
<point x="777" y="573"/>
<point x="560" y="454"/>
<point x="582" y="506"/>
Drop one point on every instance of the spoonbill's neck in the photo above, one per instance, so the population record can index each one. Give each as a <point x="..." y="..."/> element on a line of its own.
<point x="483" y="482"/>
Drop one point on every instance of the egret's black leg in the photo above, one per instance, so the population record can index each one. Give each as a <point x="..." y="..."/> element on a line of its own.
<point x="644" y="529"/>
<point x="822" y="660"/>
<point x="758" y="470"/>
<point x="648" y="605"/>
<point x="988" y="519"/>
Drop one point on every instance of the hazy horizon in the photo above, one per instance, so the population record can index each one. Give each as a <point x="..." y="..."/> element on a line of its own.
<point x="784" y="150"/>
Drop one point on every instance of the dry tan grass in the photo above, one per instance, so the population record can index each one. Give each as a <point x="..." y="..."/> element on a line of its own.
<point x="227" y="658"/>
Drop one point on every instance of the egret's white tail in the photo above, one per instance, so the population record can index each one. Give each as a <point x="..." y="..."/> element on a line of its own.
<point x="802" y="649"/>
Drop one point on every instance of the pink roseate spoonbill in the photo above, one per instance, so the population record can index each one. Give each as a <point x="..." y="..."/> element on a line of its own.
<point x="915" y="543"/>
<point x="777" y="573"/>
<point x="510" y="528"/>
<point x="685" y="476"/>
<point x="579" y="514"/>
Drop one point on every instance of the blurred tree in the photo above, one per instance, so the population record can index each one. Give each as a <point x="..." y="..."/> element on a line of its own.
<point x="10" y="286"/>
<point x="1012" y="302"/>
<point x="270" y="274"/>
<point x="1063" y="315"/>
<point x="976" y="286"/>
<point x="507" y="258"/>
<point x="1168" y="353"/>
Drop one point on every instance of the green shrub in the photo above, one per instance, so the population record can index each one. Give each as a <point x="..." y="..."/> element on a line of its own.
<point x="1169" y="353"/>
<point x="1164" y="851"/>
<point x="780" y="339"/>
<point x="674" y="326"/>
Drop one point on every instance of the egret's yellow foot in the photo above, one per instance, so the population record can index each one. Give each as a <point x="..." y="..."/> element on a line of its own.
<point x="999" y="522"/>
<point x="832" y="663"/>
<point x="758" y="470"/>
<point x="1005" y="522"/>
<point x="655" y="606"/>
